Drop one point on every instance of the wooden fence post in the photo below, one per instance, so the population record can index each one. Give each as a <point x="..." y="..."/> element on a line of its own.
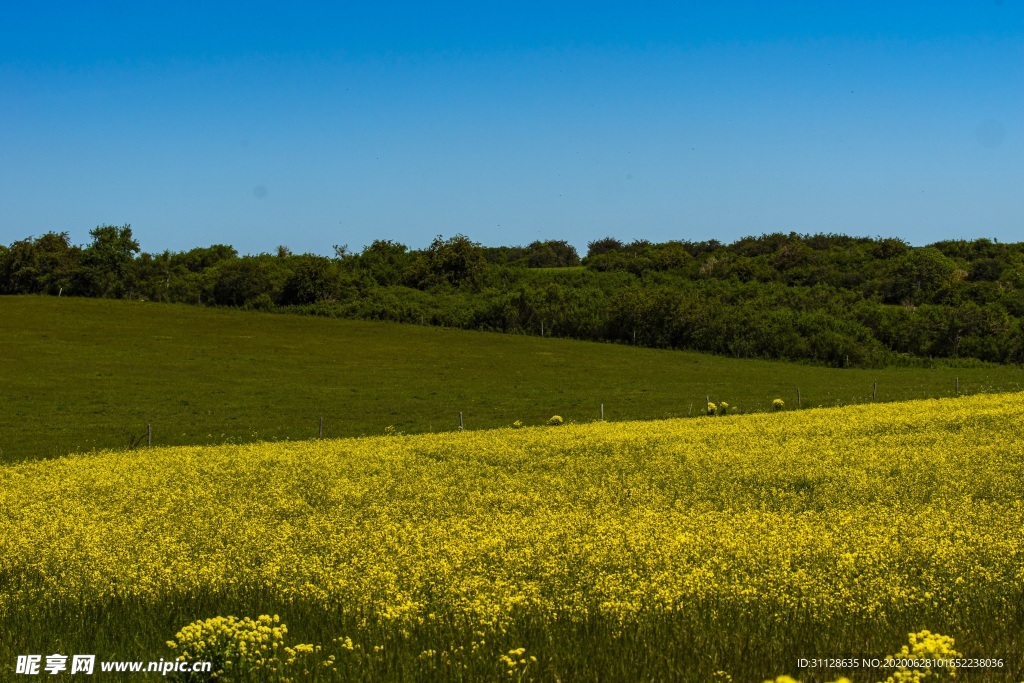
<point x="461" y="424"/>
<point x="321" y="434"/>
<point x="149" y="434"/>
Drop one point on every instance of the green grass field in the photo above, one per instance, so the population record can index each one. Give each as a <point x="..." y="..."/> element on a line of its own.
<point x="85" y="374"/>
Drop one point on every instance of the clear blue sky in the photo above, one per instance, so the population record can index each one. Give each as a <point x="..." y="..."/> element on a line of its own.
<point x="262" y="123"/>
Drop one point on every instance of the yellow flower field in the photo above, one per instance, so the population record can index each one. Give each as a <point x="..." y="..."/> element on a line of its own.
<point x="836" y="530"/>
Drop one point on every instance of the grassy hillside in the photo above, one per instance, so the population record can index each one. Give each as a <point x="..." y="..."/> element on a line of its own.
<point x="630" y="551"/>
<point x="84" y="374"/>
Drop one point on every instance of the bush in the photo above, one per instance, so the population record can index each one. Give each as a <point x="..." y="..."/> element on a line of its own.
<point x="778" y="404"/>
<point x="555" y="420"/>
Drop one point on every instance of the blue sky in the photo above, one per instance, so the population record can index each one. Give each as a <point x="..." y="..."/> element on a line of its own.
<point x="257" y="124"/>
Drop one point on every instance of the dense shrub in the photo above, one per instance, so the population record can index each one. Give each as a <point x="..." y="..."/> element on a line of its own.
<point x="831" y="299"/>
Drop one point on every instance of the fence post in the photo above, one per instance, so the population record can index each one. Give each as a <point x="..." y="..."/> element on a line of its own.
<point x="149" y="434"/>
<point x="321" y="434"/>
<point x="798" y="397"/>
<point x="602" y="412"/>
<point x="874" y="391"/>
<point x="958" y="386"/>
<point x="461" y="424"/>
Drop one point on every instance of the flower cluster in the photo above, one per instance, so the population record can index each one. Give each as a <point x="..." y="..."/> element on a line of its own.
<point x="239" y="648"/>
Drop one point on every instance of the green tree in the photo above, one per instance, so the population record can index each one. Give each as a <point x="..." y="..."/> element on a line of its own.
<point x="39" y="265"/>
<point x="920" y="274"/>
<point x="551" y="254"/>
<point x="457" y="261"/>
<point x="384" y="261"/>
<point x="603" y="246"/>
<point x="202" y="258"/>
<point x="245" y="280"/>
<point x="314" y="279"/>
<point x="106" y="268"/>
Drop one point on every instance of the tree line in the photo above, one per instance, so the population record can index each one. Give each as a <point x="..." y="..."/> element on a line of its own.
<point x="831" y="299"/>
